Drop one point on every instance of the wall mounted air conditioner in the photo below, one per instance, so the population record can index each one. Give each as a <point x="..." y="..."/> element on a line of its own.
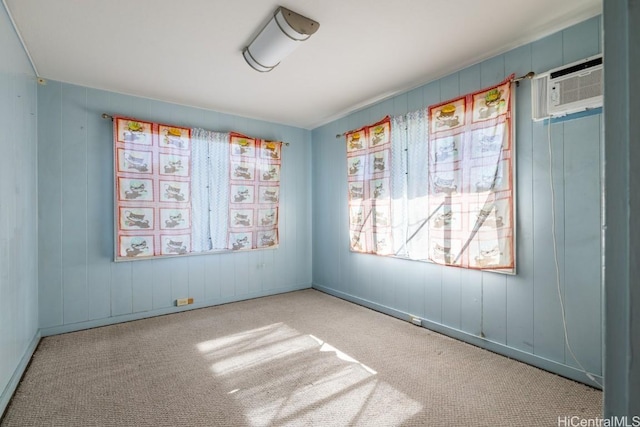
<point x="568" y="89"/>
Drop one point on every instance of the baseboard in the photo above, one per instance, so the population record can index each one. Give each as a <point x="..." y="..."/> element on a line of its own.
<point x="11" y="387"/>
<point x="528" y="358"/>
<point x="73" y="327"/>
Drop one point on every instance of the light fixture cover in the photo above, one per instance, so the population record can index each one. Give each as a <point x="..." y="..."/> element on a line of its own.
<point x="281" y="36"/>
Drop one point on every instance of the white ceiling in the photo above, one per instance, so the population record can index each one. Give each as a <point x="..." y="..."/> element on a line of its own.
<point x="189" y="51"/>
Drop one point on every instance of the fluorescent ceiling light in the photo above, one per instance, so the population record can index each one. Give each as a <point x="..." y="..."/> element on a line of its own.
<point x="281" y="36"/>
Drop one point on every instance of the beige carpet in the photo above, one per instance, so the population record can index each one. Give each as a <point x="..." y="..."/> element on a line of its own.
<point x="303" y="358"/>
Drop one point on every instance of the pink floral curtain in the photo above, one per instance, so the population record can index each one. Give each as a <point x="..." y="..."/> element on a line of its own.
<point x="369" y="188"/>
<point x="153" y="189"/>
<point x="471" y="194"/>
<point x="255" y="192"/>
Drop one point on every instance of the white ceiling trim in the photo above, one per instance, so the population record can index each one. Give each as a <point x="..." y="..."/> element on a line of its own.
<point x="17" y="31"/>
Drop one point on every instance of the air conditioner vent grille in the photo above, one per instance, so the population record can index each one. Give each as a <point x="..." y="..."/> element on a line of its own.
<point x="576" y="88"/>
<point x="569" y="89"/>
<point x="581" y="87"/>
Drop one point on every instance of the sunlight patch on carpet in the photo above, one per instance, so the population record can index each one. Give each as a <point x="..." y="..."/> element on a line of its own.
<point x="279" y="375"/>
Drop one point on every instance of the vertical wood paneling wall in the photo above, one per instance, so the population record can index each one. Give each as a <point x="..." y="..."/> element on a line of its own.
<point x="622" y="297"/>
<point x="80" y="286"/>
<point x="518" y="315"/>
<point x="18" y="211"/>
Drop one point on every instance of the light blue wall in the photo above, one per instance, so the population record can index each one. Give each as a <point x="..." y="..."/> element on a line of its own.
<point x="519" y="315"/>
<point x="18" y="210"/>
<point x="80" y="285"/>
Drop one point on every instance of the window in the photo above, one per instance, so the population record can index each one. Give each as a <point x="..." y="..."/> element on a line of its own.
<point x="437" y="184"/>
<point x="182" y="191"/>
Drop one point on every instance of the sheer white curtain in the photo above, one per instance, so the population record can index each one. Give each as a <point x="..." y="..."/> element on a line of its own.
<point x="417" y="185"/>
<point x="410" y="184"/>
<point x="210" y="189"/>
<point x="399" y="184"/>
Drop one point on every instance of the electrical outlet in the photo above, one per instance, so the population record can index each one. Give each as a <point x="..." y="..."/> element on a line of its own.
<point x="415" y="320"/>
<point x="184" y="301"/>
